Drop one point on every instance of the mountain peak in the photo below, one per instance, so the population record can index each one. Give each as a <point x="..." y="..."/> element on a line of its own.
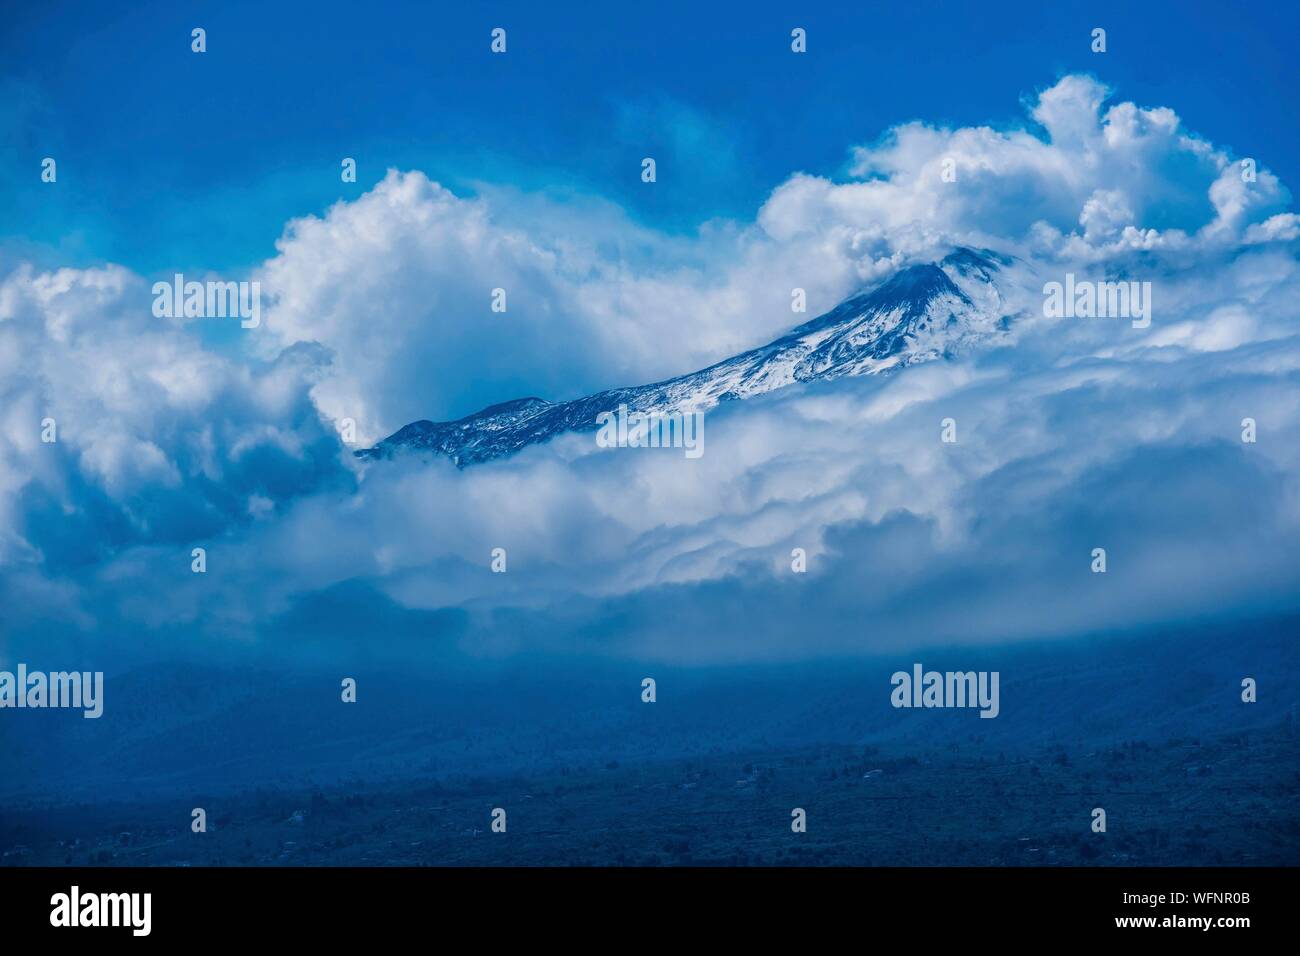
<point x="924" y="311"/>
<point x="916" y="284"/>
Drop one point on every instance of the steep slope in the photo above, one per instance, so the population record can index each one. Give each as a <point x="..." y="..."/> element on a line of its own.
<point x="922" y="313"/>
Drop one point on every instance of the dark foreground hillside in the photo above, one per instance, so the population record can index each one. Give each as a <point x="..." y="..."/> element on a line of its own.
<point x="1230" y="800"/>
<point x="1151" y="728"/>
<point x="186" y="729"/>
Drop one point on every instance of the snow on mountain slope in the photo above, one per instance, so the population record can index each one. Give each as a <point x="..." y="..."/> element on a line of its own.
<point x="922" y="313"/>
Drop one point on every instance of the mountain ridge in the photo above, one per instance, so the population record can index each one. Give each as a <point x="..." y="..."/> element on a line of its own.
<point x="922" y="312"/>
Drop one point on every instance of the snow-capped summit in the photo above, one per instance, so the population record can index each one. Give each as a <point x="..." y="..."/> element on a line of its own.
<point x="922" y="312"/>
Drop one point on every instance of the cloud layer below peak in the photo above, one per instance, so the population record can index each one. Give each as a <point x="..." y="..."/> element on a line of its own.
<point x="1075" y="435"/>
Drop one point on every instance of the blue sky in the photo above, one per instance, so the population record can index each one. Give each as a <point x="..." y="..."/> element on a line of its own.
<point x="169" y="160"/>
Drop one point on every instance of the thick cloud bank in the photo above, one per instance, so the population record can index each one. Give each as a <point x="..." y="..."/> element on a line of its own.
<point x="1072" y="434"/>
